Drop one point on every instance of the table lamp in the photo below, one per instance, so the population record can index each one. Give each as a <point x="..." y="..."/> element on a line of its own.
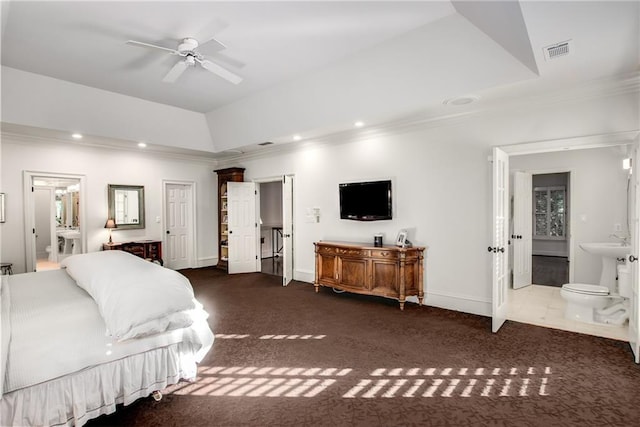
<point x="110" y="224"/>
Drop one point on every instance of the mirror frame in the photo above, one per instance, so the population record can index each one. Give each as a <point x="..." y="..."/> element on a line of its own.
<point x="140" y="190"/>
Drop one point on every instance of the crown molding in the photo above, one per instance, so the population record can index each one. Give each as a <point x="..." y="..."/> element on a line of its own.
<point x="9" y="137"/>
<point x="598" y="89"/>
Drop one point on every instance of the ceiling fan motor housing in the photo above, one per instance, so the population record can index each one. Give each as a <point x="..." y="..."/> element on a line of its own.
<point x="187" y="45"/>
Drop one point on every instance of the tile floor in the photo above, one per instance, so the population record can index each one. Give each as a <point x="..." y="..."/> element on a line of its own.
<point x="543" y="306"/>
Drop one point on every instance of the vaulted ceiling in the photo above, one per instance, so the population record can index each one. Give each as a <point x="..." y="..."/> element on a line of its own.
<point x="312" y="68"/>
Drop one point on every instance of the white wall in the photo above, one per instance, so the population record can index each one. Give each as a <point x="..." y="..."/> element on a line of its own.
<point x="102" y="167"/>
<point x="598" y="198"/>
<point x="442" y="187"/>
<point x="60" y="105"/>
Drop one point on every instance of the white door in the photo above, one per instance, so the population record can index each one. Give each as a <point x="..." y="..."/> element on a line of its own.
<point x="243" y="227"/>
<point x="287" y="229"/>
<point x="178" y="252"/>
<point x="500" y="235"/>
<point x="634" y="316"/>
<point x="521" y="239"/>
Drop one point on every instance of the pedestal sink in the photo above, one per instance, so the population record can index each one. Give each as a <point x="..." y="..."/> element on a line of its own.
<point x="609" y="252"/>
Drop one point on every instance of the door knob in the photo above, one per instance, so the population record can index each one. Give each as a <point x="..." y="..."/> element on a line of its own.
<point x="167" y="231"/>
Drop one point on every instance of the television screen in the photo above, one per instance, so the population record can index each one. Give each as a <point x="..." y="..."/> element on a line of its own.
<point x="365" y="201"/>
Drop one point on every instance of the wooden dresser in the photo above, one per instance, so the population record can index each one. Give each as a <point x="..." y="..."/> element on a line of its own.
<point x="147" y="249"/>
<point x="387" y="271"/>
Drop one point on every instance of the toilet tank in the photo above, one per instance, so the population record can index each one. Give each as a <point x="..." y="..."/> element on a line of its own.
<point x="624" y="280"/>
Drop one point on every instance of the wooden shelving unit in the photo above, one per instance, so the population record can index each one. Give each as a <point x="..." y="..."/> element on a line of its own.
<point x="224" y="176"/>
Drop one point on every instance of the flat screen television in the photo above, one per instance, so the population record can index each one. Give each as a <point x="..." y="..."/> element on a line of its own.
<point x="365" y="201"/>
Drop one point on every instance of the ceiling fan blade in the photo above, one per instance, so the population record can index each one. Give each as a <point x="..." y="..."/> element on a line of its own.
<point x="220" y="71"/>
<point x="215" y="27"/>
<point x="221" y="57"/>
<point x="175" y="72"/>
<point x="152" y="46"/>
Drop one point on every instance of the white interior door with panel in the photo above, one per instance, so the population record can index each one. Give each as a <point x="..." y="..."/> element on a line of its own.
<point x="178" y="252"/>
<point x="287" y="229"/>
<point x="500" y="277"/>
<point x="634" y="224"/>
<point x="243" y="227"/>
<point x="521" y="238"/>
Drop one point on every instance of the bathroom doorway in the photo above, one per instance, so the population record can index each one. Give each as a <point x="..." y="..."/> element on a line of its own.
<point x="594" y="205"/>
<point x="54" y="218"/>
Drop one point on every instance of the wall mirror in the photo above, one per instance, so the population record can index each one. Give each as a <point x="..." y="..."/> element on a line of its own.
<point x="126" y="205"/>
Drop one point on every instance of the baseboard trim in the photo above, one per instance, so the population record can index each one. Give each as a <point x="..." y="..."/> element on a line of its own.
<point x="304" y="275"/>
<point x="550" y="253"/>
<point x="456" y="302"/>
<point x="206" y="262"/>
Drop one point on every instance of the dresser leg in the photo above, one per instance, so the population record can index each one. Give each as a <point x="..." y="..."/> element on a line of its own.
<point x="317" y="288"/>
<point x="401" y="305"/>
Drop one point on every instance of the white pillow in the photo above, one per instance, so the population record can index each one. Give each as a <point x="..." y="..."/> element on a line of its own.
<point x="135" y="297"/>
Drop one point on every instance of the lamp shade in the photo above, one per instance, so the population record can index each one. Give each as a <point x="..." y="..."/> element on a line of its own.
<point x="111" y="223"/>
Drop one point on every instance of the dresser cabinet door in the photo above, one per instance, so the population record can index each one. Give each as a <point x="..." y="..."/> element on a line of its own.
<point x="327" y="268"/>
<point x="384" y="278"/>
<point x="352" y="273"/>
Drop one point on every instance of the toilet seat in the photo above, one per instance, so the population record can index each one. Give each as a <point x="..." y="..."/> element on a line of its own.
<point x="586" y="289"/>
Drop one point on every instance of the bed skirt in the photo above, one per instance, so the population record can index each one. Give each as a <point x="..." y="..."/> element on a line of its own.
<point x="74" y="399"/>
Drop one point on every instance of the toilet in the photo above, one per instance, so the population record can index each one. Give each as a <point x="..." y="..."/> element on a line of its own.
<point x="49" y="254"/>
<point x="598" y="304"/>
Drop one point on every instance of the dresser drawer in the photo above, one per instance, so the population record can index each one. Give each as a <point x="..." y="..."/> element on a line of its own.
<point x="384" y="254"/>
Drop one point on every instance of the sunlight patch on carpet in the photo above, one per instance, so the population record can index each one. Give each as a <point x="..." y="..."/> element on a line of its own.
<point x="448" y="382"/>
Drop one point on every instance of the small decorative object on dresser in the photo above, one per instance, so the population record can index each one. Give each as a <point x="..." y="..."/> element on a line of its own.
<point x="148" y="249"/>
<point x="387" y="271"/>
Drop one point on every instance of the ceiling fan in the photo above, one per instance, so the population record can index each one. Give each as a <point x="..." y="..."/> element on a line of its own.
<point x="187" y="50"/>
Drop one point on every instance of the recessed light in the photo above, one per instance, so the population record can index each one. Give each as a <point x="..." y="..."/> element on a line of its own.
<point x="297" y="137"/>
<point x="461" y="100"/>
<point x="358" y="124"/>
<point x="76" y="136"/>
<point x="142" y="144"/>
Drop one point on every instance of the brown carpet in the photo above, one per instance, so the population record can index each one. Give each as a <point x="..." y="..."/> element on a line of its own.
<point x="291" y="357"/>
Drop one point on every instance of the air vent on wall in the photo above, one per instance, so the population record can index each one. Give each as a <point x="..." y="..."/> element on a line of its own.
<point x="559" y="49"/>
<point x="265" y="143"/>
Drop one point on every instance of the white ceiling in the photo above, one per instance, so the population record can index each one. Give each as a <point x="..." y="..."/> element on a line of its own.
<point x="84" y="42"/>
<point x="324" y="63"/>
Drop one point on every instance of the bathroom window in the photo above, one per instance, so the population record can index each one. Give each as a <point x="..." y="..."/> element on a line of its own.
<point x="549" y="213"/>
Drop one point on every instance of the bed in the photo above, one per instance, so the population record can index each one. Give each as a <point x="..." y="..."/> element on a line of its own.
<point x="109" y="328"/>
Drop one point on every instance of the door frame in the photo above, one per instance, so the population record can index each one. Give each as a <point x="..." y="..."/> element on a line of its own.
<point x="572" y="174"/>
<point x="560" y="145"/>
<point x="29" y="212"/>
<point x="192" y="218"/>
<point x="265" y="180"/>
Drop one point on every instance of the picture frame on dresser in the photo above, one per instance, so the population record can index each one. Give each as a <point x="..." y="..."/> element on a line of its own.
<point x="401" y="239"/>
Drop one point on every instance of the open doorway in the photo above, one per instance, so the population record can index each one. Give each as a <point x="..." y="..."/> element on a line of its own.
<point x="274" y="214"/>
<point x="550" y="228"/>
<point x="570" y="205"/>
<point x="53" y="218"/>
<point x="271" y="231"/>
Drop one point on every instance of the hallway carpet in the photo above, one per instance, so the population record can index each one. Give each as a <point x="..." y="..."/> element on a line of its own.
<point x="286" y="356"/>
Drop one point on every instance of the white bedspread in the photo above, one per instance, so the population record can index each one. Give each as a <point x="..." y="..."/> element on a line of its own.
<point x="56" y="329"/>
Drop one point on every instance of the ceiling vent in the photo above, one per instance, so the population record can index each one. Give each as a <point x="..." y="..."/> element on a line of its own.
<point x="262" y="144"/>
<point x="557" y="50"/>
